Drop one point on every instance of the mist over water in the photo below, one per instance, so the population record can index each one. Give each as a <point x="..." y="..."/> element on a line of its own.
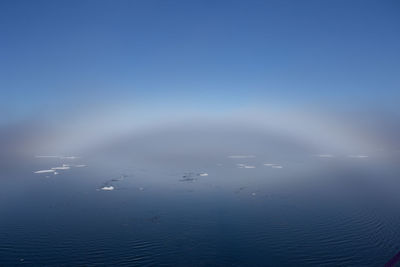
<point x="201" y="192"/>
<point x="199" y="133"/>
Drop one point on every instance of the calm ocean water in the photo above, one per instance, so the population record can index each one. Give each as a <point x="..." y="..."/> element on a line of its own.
<point x="296" y="209"/>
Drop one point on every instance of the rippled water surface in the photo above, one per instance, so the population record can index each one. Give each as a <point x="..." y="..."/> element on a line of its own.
<point x="313" y="210"/>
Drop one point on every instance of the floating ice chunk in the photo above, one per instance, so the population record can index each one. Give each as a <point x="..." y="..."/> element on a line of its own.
<point x="203" y="174"/>
<point x="107" y="188"/>
<point x="245" y="166"/>
<point x="273" y="165"/>
<point x="80" y="166"/>
<point x="69" y="157"/>
<point x="358" y="156"/>
<point x="64" y="167"/>
<point x="241" y="156"/>
<point x="55" y="173"/>
<point x="58" y="157"/>
<point x="249" y="167"/>
<point x="44" y="171"/>
<point x="188" y="177"/>
<point x="253" y="194"/>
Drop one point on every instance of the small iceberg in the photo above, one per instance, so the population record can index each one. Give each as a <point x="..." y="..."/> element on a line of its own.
<point x="203" y="174"/>
<point x="107" y="188"/>
<point x="44" y="171"/>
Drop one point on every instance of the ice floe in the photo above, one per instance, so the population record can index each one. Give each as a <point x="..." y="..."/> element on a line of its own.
<point x="192" y="176"/>
<point x="188" y="177"/>
<point x="69" y="157"/>
<point x="358" y="156"/>
<point x="44" y="171"/>
<point x="57" y="157"/>
<point x="245" y="166"/>
<point x="58" y="168"/>
<point x="273" y="165"/>
<point x="249" y="167"/>
<point x="63" y="167"/>
<point x="107" y="188"/>
<point x="108" y="185"/>
<point x="80" y="166"/>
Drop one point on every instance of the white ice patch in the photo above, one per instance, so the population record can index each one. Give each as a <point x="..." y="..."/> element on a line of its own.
<point x="358" y="156"/>
<point x="44" y="171"/>
<point x="61" y="168"/>
<point x="80" y="166"/>
<point x="107" y="188"/>
<point x="203" y="174"/>
<point x="57" y="157"/>
<point x="241" y="156"/>
<point x="249" y="167"/>
<point x="244" y="166"/>
<point x="69" y="157"/>
<point x="273" y="165"/>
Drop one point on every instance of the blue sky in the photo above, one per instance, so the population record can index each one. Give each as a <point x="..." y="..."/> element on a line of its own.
<point x="207" y="55"/>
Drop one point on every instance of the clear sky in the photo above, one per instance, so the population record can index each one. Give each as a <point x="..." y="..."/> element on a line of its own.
<point x="207" y="55"/>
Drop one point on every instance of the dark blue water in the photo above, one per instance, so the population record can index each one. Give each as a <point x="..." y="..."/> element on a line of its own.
<point x="313" y="211"/>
